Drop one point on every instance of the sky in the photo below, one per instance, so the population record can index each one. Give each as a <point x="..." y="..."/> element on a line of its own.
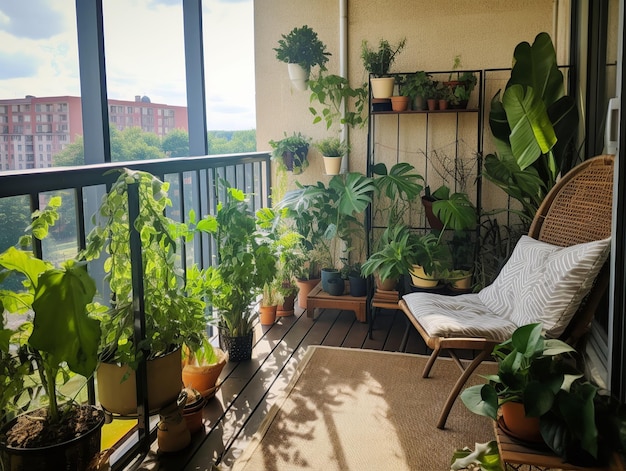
<point x="143" y="49"/>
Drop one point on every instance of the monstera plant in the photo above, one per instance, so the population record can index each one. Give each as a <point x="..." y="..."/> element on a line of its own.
<point x="533" y="124"/>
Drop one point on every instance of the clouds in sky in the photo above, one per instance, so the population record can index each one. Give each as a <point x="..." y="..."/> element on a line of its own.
<point x="144" y="51"/>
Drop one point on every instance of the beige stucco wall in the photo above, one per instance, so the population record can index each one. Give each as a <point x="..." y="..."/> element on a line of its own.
<point x="483" y="32"/>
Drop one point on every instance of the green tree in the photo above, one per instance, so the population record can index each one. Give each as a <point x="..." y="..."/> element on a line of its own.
<point x="73" y="154"/>
<point x="231" y="142"/>
<point x="176" y="143"/>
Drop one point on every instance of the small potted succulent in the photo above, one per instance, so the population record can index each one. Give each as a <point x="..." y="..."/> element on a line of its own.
<point x="301" y="49"/>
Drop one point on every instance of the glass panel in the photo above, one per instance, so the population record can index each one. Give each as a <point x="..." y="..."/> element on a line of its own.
<point x="40" y="100"/>
<point x="145" y="67"/>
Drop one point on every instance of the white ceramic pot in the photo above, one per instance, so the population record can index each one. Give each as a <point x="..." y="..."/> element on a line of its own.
<point x="382" y="87"/>
<point x="298" y="76"/>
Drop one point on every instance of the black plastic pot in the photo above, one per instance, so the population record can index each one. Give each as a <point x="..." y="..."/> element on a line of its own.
<point x="72" y="454"/>
<point x="336" y="286"/>
<point x="358" y="285"/>
<point x="238" y="348"/>
<point x="327" y="274"/>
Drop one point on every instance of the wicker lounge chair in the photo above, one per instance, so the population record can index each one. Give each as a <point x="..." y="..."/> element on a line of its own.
<point x="575" y="216"/>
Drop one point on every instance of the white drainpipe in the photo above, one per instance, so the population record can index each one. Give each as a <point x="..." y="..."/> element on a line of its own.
<point x="343" y="67"/>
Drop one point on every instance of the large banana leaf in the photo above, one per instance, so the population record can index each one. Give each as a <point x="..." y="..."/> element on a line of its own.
<point x="535" y="66"/>
<point x="532" y="133"/>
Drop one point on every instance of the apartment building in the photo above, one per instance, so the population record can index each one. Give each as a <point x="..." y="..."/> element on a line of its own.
<point x="34" y="129"/>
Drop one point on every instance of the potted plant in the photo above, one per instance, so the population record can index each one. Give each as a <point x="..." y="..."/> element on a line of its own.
<point x="397" y="188"/>
<point x="429" y="259"/>
<point x="417" y="86"/>
<point x="202" y="363"/>
<point x="538" y="376"/>
<point x="291" y="152"/>
<point x="378" y="61"/>
<point x="333" y="150"/>
<point x="392" y="259"/>
<point x="172" y="317"/>
<point x="271" y="297"/>
<point x="301" y="49"/>
<point x="334" y="93"/>
<point x="245" y="264"/>
<point x="60" y="339"/>
<point x="326" y="216"/>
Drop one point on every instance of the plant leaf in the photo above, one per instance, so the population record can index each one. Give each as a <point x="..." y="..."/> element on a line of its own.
<point x="62" y="326"/>
<point x="532" y="133"/>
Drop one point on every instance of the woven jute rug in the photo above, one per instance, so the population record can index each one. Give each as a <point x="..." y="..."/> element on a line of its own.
<point x="352" y="409"/>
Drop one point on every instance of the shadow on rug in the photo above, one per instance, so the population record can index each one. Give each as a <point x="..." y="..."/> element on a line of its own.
<point x="352" y="409"/>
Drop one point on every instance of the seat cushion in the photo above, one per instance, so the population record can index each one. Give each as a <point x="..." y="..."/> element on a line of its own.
<point x="457" y="316"/>
<point x="545" y="283"/>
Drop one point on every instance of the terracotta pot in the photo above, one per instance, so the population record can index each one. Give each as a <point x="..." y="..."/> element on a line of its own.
<point x="305" y="287"/>
<point x="382" y="87"/>
<point x="388" y="285"/>
<point x="420" y="279"/>
<point x="443" y="104"/>
<point x="203" y="378"/>
<point x="117" y="387"/>
<point x="432" y="104"/>
<point x="267" y="315"/>
<point x="518" y="425"/>
<point x="433" y="221"/>
<point x="286" y="308"/>
<point x="399" y="103"/>
<point x="193" y="410"/>
<point x="332" y="165"/>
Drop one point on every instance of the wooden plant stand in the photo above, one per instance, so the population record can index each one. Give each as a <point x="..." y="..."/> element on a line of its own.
<point x="319" y="298"/>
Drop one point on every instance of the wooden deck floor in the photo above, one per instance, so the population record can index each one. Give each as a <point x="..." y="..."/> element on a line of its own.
<point x="249" y="388"/>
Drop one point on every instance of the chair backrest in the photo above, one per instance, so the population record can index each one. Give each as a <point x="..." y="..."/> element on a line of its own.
<point x="579" y="209"/>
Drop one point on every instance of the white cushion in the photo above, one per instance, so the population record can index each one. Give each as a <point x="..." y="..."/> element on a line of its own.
<point x="545" y="283"/>
<point x="539" y="283"/>
<point x="457" y="316"/>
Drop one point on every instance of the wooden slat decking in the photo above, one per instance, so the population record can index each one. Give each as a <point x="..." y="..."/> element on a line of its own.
<point x="249" y="388"/>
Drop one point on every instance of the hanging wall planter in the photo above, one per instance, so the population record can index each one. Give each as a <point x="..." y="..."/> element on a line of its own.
<point x="298" y="75"/>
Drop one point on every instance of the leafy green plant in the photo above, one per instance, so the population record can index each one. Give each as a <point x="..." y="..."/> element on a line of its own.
<point x="455" y="210"/>
<point x="61" y="337"/>
<point x="297" y="145"/>
<point x="378" y="61"/>
<point x="271" y="294"/>
<point x="576" y="421"/>
<point x="392" y="260"/>
<point x="172" y="316"/>
<point x="245" y="264"/>
<point x="332" y="92"/>
<point x="417" y="84"/>
<point x="332" y="147"/>
<point x="533" y="124"/>
<point x="326" y="216"/>
<point x="302" y="46"/>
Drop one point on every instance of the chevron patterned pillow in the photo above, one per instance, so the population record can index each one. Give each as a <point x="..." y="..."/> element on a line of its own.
<point x="545" y="283"/>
